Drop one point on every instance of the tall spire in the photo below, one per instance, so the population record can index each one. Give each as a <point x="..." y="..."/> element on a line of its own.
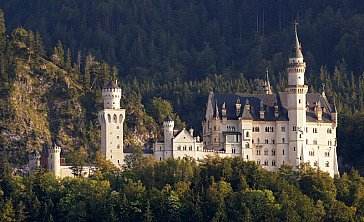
<point x="296" y="48"/>
<point x="267" y="88"/>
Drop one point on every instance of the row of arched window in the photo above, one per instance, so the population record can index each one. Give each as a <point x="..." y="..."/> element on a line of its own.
<point x="111" y="119"/>
<point x="266" y="163"/>
<point x="266" y="152"/>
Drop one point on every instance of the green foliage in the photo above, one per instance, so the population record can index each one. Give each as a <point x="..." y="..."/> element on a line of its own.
<point x="185" y="193"/>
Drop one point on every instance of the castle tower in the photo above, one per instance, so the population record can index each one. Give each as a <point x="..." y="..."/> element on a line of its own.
<point x="168" y="126"/>
<point x="54" y="160"/>
<point x="34" y="162"/>
<point x="296" y="97"/>
<point x="111" y="119"/>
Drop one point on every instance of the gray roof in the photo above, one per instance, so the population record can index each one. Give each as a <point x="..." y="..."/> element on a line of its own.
<point x="268" y="101"/>
<point x="168" y="119"/>
<point x="296" y="47"/>
<point x="111" y="85"/>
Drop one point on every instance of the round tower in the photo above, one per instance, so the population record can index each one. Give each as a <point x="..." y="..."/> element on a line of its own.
<point x="34" y="162"/>
<point x="54" y="160"/>
<point x="296" y="97"/>
<point x="111" y="94"/>
<point x="168" y="126"/>
<point x="111" y="120"/>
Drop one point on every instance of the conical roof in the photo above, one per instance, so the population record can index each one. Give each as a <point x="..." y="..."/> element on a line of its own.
<point x="112" y="85"/>
<point x="296" y="51"/>
<point x="168" y="119"/>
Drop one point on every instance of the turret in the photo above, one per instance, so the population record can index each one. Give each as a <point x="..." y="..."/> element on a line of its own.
<point x="34" y="162"/>
<point x="111" y="120"/>
<point x="296" y="100"/>
<point x="111" y="94"/>
<point x="296" y="66"/>
<point x="266" y="86"/>
<point x="54" y="160"/>
<point x="168" y="126"/>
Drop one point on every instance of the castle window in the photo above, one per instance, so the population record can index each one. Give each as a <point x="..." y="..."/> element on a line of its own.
<point x="190" y="148"/>
<point x="184" y="148"/>
<point x="283" y="129"/>
<point x="198" y="148"/>
<point x="117" y="137"/>
<point x="266" y="152"/>
<point x="299" y="101"/>
<point x="314" y="141"/>
<point x="233" y="150"/>
<point x="283" y="140"/>
<point x="160" y="158"/>
<point x="273" y="162"/>
<point x="110" y="157"/>
<point x="258" y="162"/>
<point x="266" y="129"/>
<point x="314" y="130"/>
<point x="266" y="141"/>
<point x="258" y="152"/>
<point x="329" y="142"/>
<point x="327" y="164"/>
<point x="294" y="148"/>
<point x="258" y="140"/>
<point x="271" y="129"/>
<point x="247" y="157"/>
<point x="273" y="141"/>
<point x="327" y="154"/>
<point x="311" y="153"/>
<point x="252" y="140"/>
<point x="247" y="145"/>
<point x="282" y="152"/>
<point x="214" y="127"/>
<point x="273" y="152"/>
<point x="118" y="146"/>
<point x="117" y="127"/>
<point x="306" y="141"/>
<point x="247" y="134"/>
<point x="315" y="163"/>
<point x="178" y="147"/>
<point x="329" y="130"/>
<point x="294" y="128"/>
<point x="160" y="148"/>
<point x="265" y="162"/>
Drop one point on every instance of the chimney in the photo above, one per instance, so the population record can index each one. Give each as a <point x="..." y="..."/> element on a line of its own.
<point x="238" y="107"/>
<point x="261" y="111"/>
<point x="223" y="111"/>
<point x="319" y="111"/>
<point x="191" y="132"/>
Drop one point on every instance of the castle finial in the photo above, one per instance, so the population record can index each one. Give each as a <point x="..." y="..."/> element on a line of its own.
<point x="296" y="48"/>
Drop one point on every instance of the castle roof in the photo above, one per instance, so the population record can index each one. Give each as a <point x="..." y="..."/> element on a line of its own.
<point x="269" y="101"/>
<point x="296" y="47"/>
<point x="111" y="85"/>
<point x="168" y="119"/>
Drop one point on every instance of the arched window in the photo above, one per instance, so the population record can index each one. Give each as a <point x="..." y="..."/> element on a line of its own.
<point x="273" y="162"/>
<point x="120" y="118"/>
<point x="247" y="134"/>
<point x="258" y="162"/>
<point x="190" y="148"/>
<point x="327" y="164"/>
<point x="184" y="147"/>
<point x="109" y="118"/>
<point x="247" y="145"/>
<point x="283" y="140"/>
<point x="115" y="118"/>
<point x="265" y="162"/>
<point x="266" y="152"/>
<point x="258" y="152"/>
<point x="273" y="152"/>
<point x="178" y="147"/>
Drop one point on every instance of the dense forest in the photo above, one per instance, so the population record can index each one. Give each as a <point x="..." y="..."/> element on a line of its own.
<point x="55" y="56"/>
<point x="181" y="190"/>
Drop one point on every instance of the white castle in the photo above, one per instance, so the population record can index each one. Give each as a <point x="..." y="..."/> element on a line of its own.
<point x="292" y="127"/>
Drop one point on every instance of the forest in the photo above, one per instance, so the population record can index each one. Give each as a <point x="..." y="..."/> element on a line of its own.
<point x="55" y="56"/>
<point x="182" y="190"/>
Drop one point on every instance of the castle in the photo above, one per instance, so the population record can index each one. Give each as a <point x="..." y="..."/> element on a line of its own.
<point x="292" y="127"/>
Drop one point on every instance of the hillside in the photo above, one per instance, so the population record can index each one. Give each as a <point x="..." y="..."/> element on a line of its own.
<point x="173" y="50"/>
